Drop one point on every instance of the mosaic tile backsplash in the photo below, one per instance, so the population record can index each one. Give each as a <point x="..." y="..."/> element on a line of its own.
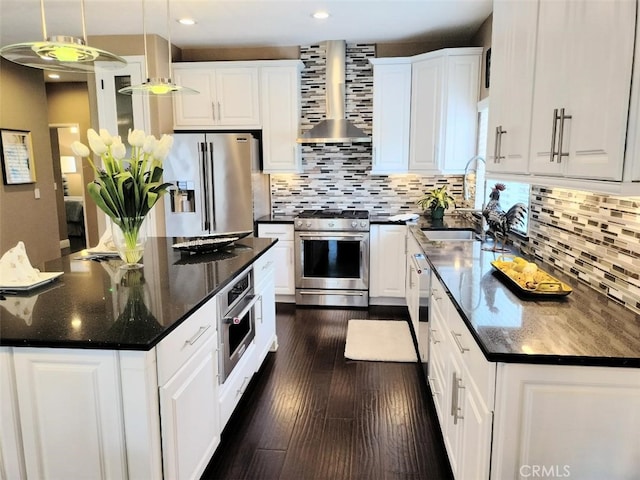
<point x="595" y="238"/>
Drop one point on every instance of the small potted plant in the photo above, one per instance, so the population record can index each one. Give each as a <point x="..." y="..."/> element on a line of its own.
<point x="436" y="201"/>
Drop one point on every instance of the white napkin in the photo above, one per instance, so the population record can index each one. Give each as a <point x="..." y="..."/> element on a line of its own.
<point x="105" y="244"/>
<point x="21" y="307"/>
<point x="404" y="217"/>
<point x="15" y="267"/>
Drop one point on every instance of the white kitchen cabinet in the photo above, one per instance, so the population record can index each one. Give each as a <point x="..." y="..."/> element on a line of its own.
<point x="263" y="275"/>
<point x="462" y="384"/>
<point x="229" y="95"/>
<point x="391" y="115"/>
<point x="284" y="257"/>
<point x="190" y="424"/>
<point x="582" y="82"/>
<point x="574" y="419"/>
<point x="280" y="99"/>
<point x="444" y="97"/>
<point x="515" y="26"/>
<point x="70" y="413"/>
<point x="387" y="265"/>
<point x="12" y="465"/>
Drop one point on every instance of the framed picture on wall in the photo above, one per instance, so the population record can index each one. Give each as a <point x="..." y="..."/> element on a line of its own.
<point x="17" y="157"/>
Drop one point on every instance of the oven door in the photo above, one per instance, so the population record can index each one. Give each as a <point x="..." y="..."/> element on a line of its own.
<point x="237" y="331"/>
<point x="332" y="260"/>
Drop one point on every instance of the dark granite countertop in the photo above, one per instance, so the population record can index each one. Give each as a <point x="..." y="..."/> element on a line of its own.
<point x="84" y="307"/>
<point x="583" y="328"/>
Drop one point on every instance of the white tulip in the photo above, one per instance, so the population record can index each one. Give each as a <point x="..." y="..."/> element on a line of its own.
<point x="106" y="137"/>
<point x="150" y="144"/>
<point x="80" y="149"/>
<point x="118" y="150"/>
<point x="96" y="143"/>
<point x="164" y="145"/>
<point x="136" y="138"/>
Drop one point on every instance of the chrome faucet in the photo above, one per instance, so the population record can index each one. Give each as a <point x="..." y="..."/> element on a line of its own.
<point x="476" y="213"/>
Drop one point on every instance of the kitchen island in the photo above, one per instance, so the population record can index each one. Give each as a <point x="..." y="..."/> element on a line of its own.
<point x="523" y="384"/>
<point x="108" y="373"/>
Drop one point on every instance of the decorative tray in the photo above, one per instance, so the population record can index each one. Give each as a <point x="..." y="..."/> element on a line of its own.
<point x="528" y="279"/>
<point x="209" y="243"/>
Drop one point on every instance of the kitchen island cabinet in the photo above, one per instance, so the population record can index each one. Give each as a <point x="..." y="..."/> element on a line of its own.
<point x="132" y="397"/>
<point x="284" y="252"/>
<point x="564" y="373"/>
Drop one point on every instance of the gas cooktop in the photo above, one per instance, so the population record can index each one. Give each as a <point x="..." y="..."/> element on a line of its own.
<point x="327" y="213"/>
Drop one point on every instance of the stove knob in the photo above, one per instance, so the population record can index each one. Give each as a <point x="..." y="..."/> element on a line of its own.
<point x="299" y="223"/>
<point x="354" y="224"/>
<point x="308" y="223"/>
<point x="332" y="224"/>
<point x="363" y="224"/>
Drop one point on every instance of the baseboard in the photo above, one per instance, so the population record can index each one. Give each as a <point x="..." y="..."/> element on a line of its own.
<point x="65" y="243"/>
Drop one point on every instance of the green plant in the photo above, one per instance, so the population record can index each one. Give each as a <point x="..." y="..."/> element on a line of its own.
<point x="438" y="197"/>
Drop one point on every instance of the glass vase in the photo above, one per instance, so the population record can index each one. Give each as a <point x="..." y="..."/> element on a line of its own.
<point x="129" y="236"/>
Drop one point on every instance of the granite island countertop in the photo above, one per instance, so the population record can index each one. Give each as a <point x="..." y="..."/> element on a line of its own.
<point x="583" y="328"/>
<point x="89" y="306"/>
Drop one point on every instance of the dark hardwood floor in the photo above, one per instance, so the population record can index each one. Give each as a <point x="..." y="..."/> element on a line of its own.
<point x="311" y="414"/>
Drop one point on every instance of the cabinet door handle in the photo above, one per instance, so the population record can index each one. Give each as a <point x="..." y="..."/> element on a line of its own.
<point x="219" y="112"/>
<point x="457" y="340"/>
<point x="213" y="110"/>
<point x="433" y="337"/>
<point x="501" y="132"/>
<point x="434" y="390"/>
<point x="197" y="335"/>
<point x="456" y="386"/>
<point x="496" y="148"/>
<point x="553" y="152"/>
<point x="562" y="118"/>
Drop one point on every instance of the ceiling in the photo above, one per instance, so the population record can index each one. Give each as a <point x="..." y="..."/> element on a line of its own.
<point x="240" y="23"/>
<point x="248" y="23"/>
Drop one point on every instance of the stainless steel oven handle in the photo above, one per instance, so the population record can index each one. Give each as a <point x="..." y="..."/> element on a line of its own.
<point x="324" y="236"/>
<point x="329" y="292"/>
<point x="232" y="318"/>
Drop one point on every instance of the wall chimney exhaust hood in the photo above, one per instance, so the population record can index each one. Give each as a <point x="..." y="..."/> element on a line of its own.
<point x="335" y="128"/>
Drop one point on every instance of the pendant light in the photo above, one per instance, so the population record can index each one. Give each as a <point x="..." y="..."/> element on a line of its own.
<point x="157" y="85"/>
<point x="61" y="53"/>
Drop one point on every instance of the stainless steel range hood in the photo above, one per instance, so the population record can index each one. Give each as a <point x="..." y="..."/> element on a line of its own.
<point x="335" y="128"/>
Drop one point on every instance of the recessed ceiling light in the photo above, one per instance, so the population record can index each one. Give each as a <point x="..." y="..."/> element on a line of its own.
<point x="321" y="15"/>
<point x="55" y="76"/>
<point x="187" y="21"/>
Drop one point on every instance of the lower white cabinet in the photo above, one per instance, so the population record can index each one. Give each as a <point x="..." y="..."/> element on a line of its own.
<point x="387" y="264"/>
<point x="462" y="386"/>
<point x="283" y="252"/>
<point x="265" y="310"/>
<point x="70" y="413"/>
<point x="190" y="423"/>
<point x="568" y="421"/>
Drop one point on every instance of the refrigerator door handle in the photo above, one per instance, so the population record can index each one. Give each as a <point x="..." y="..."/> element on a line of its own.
<point x="205" y="191"/>
<point x="212" y="184"/>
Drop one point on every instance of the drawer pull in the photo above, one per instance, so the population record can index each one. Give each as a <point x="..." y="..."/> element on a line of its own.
<point x="267" y="265"/>
<point x="434" y="391"/>
<point x="197" y="335"/>
<point x="457" y="340"/>
<point x="455" y="398"/>
<point x="433" y="337"/>
<point x="244" y="385"/>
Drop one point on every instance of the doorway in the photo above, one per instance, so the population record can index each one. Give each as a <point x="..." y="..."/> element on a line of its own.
<point x="72" y="212"/>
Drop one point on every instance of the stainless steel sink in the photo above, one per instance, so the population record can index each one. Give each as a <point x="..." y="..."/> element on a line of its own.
<point x="455" y="235"/>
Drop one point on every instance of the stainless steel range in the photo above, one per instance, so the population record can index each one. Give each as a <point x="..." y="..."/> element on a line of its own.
<point x="332" y="257"/>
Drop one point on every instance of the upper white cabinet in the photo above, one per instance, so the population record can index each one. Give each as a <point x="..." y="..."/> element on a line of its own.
<point x="280" y="99"/>
<point x="513" y="53"/>
<point x="229" y="95"/>
<point x="444" y="97"/>
<point x="428" y="102"/>
<point x="391" y="114"/>
<point x="582" y="82"/>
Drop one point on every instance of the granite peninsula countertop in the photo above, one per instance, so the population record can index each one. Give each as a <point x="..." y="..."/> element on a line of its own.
<point x="583" y="328"/>
<point x="89" y="305"/>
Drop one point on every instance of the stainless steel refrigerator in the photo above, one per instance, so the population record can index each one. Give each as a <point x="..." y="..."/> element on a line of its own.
<point x="216" y="183"/>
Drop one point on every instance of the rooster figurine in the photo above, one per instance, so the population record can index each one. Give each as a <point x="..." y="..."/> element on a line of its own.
<point x="499" y="221"/>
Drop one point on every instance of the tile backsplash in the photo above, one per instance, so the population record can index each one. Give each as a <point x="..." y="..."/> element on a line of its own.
<point x="595" y="238"/>
<point x="338" y="175"/>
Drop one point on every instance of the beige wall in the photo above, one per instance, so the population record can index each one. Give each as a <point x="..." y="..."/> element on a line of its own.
<point x="483" y="39"/>
<point x="23" y="106"/>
